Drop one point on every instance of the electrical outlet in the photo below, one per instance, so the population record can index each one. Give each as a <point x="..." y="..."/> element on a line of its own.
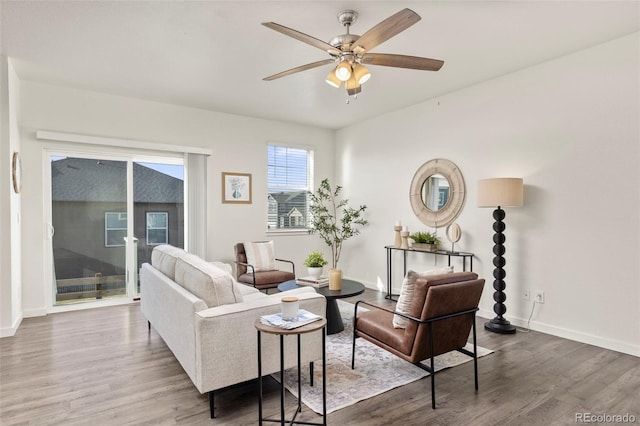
<point x="526" y="295"/>
<point x="539" y="296"/>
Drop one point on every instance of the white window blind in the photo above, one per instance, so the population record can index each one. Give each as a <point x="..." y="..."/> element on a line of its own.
<point x="290" y="178"/>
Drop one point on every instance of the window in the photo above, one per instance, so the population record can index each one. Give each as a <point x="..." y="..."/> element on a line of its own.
<point x="290" y="178"/>
<point x="157" y="228"/>
<point x="115" y="229"/>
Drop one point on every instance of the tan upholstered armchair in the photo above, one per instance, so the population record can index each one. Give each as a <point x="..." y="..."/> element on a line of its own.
<point x="250" y="274"/>
<point x="440" y="317"/>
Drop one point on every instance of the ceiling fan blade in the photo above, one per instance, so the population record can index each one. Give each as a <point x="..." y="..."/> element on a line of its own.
<point x="299" y="69"/>
<point x="402" y="61"/>
<point x="386" y="29"/>
<point x="303" y="37"/>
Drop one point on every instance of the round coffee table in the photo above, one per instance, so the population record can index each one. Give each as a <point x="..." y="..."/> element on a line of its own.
<point x="334" y="319"/>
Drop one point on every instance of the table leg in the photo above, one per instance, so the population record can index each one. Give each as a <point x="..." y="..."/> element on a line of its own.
<point x="282" y="388"/>
<point x="259" y="380"/>
<point x="324" y="378"/>
<point x="299" y="381"/>
<point x="334" y="319"/>
<point x="404" y="263"/>
<point x="389" y="272"/>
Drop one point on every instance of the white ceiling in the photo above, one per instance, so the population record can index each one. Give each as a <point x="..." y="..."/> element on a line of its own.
<point x="214" y="54"/>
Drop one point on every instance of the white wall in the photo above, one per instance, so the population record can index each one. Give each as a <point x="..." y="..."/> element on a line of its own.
<point x="10" y="227"/>
<point x="238" y="145"/>
<point x="570" y="128"/>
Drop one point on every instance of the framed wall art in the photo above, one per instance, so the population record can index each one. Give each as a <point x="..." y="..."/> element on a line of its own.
<point x="236" y="188"/>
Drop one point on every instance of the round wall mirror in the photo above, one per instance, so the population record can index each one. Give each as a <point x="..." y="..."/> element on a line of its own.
<point x="437" y="192"/>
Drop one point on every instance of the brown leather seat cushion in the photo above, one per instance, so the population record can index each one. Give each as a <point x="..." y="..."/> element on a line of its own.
<point x="377" y="324"/>
<point x="267" y="278"/>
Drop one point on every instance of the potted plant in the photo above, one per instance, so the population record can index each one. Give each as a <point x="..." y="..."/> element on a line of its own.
<point x="335" y="222"/>
<point x="314" y="263"/>
<point x="425" y="240"/>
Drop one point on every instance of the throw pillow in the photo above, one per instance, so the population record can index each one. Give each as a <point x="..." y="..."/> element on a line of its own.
<point x="206" y="281"/>
<point x="405" y="300"/>
<point x="260" y="255"/>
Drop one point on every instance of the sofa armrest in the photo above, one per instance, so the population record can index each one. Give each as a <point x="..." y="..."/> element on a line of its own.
<point x="271" y="301"/>
<point x="226" y="340"/>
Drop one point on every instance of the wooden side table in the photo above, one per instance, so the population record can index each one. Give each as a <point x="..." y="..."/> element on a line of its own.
<point x="309" y="328"/>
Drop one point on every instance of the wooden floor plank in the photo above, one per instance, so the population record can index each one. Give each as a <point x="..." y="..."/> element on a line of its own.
<point x="103" y="367"/>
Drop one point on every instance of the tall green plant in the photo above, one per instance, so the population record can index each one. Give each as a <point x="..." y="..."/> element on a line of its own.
<point x="333" y="219"/>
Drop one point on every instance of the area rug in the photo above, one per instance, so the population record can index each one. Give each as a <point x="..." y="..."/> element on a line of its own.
<point x="377" y="371"/>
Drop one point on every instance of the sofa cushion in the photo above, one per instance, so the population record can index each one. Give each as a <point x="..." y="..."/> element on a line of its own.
<point x="224" y="266"/>
<point x="206" y="281"/>
<point x="260" y="255"/>
<point x="163" y="258"/>
<point x="405" y="300"/>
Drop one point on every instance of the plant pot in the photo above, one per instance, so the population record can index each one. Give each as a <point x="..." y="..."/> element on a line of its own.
<point x="425" y="246"/>
<point x="314" y="272"/>
<point x="335" y="279"/>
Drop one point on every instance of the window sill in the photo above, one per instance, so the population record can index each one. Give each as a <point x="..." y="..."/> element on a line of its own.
<point x="283" y="232"/>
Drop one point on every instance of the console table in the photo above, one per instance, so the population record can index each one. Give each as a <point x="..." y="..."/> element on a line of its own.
<point x="464" y="255"/>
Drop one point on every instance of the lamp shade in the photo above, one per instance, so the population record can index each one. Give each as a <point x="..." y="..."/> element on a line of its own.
<point x="503" y="192"/>
<point x="343" y="71"/>
<point x="333" y="80"/>
<point x="361" y="73"/>
<point x="351" y="83"/>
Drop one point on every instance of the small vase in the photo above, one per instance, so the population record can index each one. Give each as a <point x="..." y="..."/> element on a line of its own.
<point x="335" y="279"/>
<point x="314" y="272"/>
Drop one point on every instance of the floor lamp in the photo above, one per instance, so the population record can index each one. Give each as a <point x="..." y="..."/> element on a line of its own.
<point x="498" y="193"/>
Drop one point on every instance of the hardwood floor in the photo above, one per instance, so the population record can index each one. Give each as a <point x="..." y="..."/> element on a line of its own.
<point x="102" y="367"/>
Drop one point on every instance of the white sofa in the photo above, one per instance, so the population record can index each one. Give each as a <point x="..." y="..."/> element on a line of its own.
<point x="207" y="319"/>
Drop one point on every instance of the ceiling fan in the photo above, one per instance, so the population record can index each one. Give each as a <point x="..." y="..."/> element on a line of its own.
<point x="351" y="51"/>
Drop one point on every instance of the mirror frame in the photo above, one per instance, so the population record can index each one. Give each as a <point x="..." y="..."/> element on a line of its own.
<point x="450" y="211"/>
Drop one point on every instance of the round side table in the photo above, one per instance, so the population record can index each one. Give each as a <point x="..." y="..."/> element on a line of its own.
<point x="309" y="328"/>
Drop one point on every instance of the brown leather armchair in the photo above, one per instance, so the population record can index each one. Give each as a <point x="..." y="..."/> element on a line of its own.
<point x="441" y="316"/>
<point x="262" y="280"/>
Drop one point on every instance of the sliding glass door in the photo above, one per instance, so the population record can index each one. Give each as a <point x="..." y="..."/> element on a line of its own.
<point x="158" y="208"/>
<point x="106" y="217"/>
<point x="89" y="216"/>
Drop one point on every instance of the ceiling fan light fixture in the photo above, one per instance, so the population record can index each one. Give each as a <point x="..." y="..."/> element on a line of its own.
<point x="361" y="73"/>
<point x="343" y="71"/>
<point x="350" y="50"/>
<point x="333" y="80"/>
<point x="354" y="91"/>
<point x="352" y="84"/>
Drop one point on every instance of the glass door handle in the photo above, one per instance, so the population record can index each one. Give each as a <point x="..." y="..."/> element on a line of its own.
<point x="50" y="231"/>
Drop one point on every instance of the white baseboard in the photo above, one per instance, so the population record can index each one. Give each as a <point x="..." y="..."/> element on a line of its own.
<point x="11" y="331"/>
<point x="578" y="336"/>
<point x="30" y="313"/>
